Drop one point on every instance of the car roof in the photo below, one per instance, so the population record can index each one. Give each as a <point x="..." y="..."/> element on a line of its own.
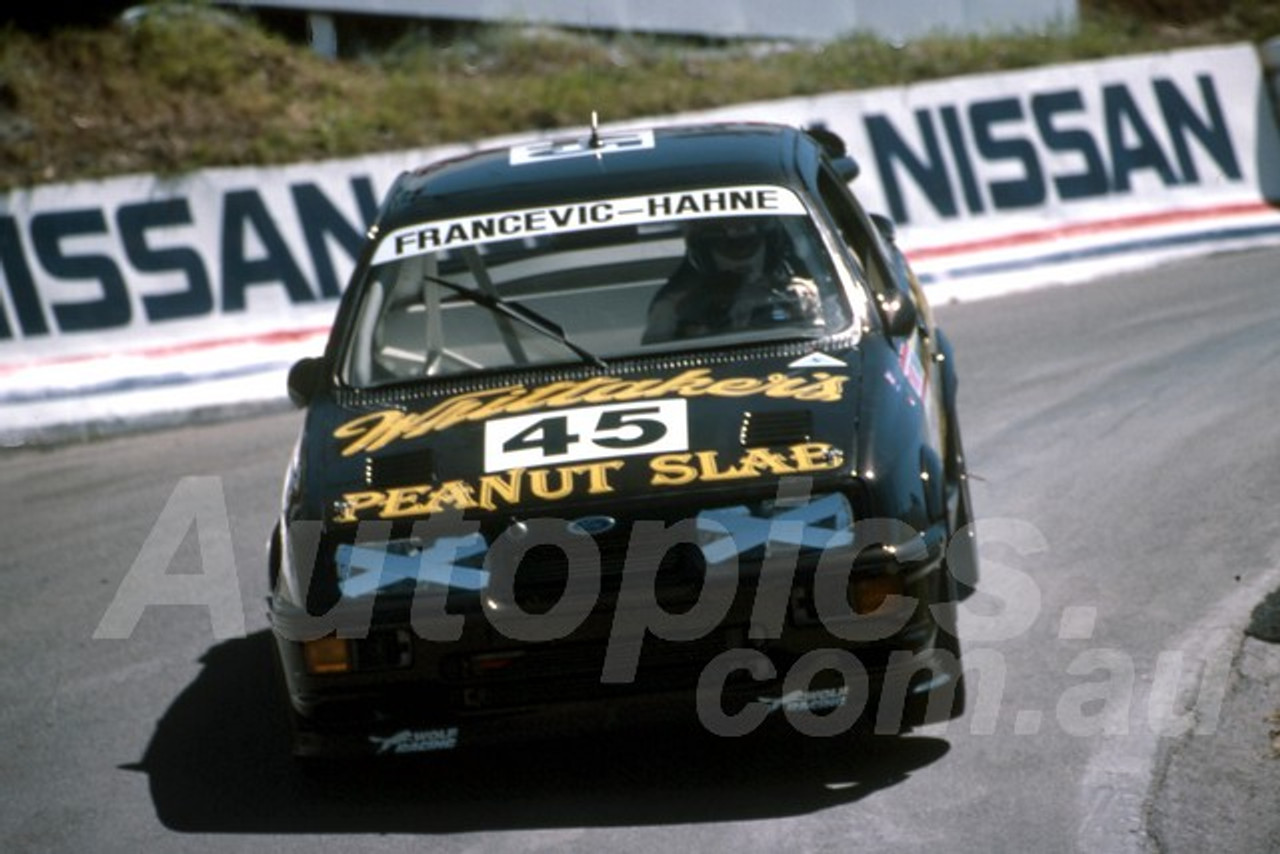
<point x="624" y="163"/>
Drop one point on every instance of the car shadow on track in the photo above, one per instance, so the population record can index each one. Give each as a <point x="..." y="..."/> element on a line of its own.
<point x="218" y="763"/>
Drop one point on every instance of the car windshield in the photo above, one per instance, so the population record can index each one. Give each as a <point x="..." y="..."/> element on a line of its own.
<point x="594" y="281"/>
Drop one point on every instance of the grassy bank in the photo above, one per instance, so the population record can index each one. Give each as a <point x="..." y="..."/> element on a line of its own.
<point x="174" y="92"/>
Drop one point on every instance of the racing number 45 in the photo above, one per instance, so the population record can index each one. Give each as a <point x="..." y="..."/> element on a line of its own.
<point x="551" y="435"/>
<point x="586" y="433"/>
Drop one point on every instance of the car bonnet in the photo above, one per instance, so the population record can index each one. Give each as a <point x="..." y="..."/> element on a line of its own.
<point x="549" y="443"/>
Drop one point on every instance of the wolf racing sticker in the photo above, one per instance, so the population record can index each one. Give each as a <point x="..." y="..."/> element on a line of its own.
<point x="417" y="741"/>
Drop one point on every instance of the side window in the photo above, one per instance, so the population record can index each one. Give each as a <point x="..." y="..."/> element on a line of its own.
<point x="858" y="233"/>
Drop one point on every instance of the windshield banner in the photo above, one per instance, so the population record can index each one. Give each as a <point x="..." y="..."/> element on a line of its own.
<point x="584" y="216"/>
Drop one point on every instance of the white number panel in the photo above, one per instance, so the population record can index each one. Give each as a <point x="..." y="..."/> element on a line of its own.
<point x="586" y="433"/>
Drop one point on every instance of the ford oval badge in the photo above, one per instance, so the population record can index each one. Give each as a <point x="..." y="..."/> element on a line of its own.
<point x="590" y="526"/>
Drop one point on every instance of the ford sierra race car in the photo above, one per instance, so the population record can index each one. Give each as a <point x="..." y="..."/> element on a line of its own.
<point x="640" y="424"/>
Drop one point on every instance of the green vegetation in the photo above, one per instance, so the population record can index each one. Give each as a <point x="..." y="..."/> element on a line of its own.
<point x="178" y="91"/>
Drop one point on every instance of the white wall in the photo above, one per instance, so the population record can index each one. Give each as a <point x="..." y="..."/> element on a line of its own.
<point x="140" y="297"/>
<point x="796" y="19"/>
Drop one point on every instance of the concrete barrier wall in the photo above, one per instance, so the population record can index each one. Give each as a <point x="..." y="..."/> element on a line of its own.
<point x="818" y="20"/>
<point x="1013" y="180"/>
<point x="137" y="298"/>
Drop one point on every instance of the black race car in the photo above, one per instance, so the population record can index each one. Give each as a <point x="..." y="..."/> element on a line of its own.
<point x="633" y="425"/>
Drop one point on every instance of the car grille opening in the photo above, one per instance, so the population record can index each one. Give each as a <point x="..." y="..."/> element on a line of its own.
<point x="405" y="469"/>
<point x="776" y="429"/>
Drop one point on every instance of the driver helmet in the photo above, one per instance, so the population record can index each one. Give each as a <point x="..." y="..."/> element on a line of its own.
<point x="740" y="245"/>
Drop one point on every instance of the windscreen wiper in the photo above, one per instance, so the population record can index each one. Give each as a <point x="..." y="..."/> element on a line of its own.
<point x="537" y="322"/>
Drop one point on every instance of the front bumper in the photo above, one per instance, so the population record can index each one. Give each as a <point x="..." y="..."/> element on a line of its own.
<point x="915" y="689"/>
<point x="413" y="695"/>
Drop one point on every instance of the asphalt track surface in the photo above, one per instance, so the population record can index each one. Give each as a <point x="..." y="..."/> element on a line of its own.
<point x="1125" y="444"/>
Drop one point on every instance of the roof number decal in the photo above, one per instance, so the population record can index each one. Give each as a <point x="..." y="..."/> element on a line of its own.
<point x="608" y="143"/>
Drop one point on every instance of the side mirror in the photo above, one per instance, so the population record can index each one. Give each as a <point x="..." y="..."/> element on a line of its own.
<point x="306" y="378"/>
<point x="846" y="167"/>
<point x="900" y="314"/>
<point x="887" y="228"/>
